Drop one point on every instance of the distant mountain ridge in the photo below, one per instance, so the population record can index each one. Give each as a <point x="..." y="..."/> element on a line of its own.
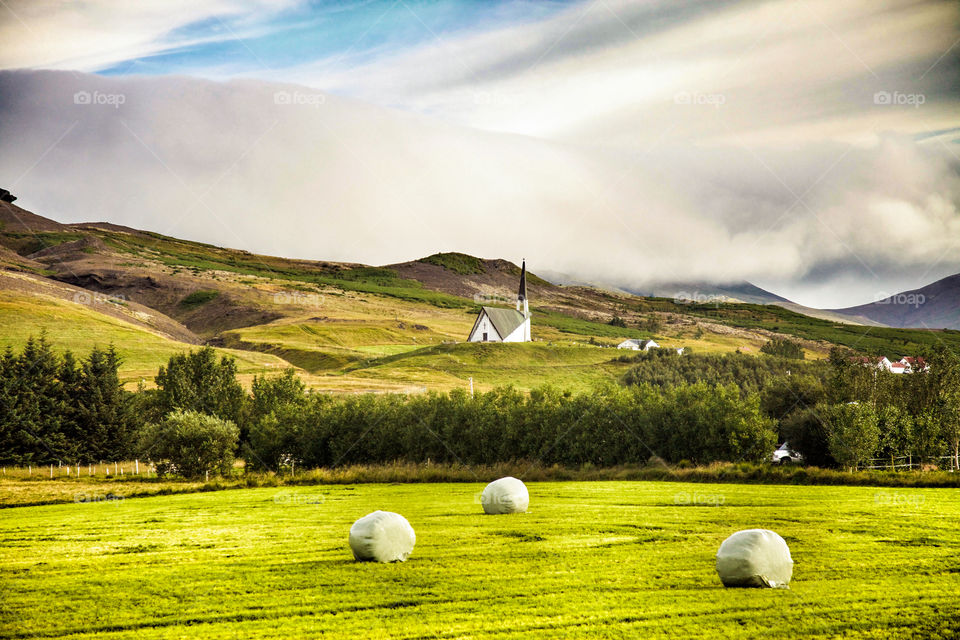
<point x="706" y="292"/>
<point x="934" y="306"/>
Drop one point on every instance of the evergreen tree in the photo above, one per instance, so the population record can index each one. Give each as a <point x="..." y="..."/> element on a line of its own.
<point x="103" y="407"/>
<point x="39" y="404"/>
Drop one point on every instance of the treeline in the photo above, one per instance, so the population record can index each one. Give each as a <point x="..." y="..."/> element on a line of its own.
<point x="862" y="412"/>
<point x="835" y="412"/>
<point x="612" y="426"/>
<point x="56" y="408"/>
<point x="667" y="368"/>
<point x="696" y="408"/>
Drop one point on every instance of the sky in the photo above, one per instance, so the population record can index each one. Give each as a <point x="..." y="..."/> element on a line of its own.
<point x="811" y="147"/>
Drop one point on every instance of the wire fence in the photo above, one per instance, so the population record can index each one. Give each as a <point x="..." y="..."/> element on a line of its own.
<point x="897" y="463"/>
<point x="100" y="469"/>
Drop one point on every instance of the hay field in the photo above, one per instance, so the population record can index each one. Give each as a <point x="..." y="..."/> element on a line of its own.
<point x="590" y="560"/>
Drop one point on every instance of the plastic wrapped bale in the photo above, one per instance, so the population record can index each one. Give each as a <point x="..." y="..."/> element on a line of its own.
<point x="506" y="495"/>
<point x="755" y="558"/>
<point x="382" y="536"/>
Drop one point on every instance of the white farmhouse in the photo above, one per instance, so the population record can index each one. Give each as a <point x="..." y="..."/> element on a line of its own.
<point x="638" y="345"/>
<point x="496" y="324"/>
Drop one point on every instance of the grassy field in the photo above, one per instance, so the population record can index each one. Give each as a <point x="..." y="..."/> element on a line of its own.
<point x="600" y="559"/>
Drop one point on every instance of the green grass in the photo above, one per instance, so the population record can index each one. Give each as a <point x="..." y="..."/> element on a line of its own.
<point x="577" y="326"/>
<point x="459" y="263"/>
<point x="605" y="559"/>
<point x="524" y="366"/>
<point x="77" y="328"/>
<point x="198" y="298"/>
<point x="201" y="257"/>
<point x="873" y="340"/>
<point x="27" y="243"/>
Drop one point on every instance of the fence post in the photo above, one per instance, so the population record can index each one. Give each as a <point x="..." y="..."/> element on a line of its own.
<point x="51" y="471"/>
<point x="136" y="465"/>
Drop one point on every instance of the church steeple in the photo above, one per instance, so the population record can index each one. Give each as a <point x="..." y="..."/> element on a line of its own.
<point x="522" y="293"/>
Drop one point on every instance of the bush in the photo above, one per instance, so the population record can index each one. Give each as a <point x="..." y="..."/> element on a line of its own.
<point x="190" y="443"/>
<point x="784" y="348"/>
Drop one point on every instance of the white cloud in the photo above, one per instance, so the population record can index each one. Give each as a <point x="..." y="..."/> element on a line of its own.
<point x="334" y="179"/>
<point x="609" y="72"/>
<point x="92" y="34"/>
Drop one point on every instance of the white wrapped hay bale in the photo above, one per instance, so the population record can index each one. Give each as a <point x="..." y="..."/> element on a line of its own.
<point x="382" y="536"/>
<point x="755" y="558"/>
<point x="506" y="495"/>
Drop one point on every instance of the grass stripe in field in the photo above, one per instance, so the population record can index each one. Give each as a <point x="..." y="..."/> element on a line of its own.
<point x="596" y="559"/>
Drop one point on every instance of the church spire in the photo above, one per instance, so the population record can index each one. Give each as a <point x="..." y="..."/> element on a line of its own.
<point x="522" y="295"/>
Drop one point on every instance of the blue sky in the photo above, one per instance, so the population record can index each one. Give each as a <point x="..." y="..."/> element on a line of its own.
<point x="349" y="33"/>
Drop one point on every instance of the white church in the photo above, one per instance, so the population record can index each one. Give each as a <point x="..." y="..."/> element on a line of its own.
<point x="496" y="324"/>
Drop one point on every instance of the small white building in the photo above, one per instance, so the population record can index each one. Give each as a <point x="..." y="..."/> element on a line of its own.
<point x="879" y="363"/>
<point x="638" y="345"/>
<point x="496" y="324"/>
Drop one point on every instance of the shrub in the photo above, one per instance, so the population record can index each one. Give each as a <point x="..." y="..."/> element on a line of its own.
<point x="783" y="347"/>
<point x="190" y="443"/>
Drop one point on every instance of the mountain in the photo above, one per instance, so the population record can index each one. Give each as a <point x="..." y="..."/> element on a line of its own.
<point x="706" y="292"/>
<point x="935" y="306"/>
<point x="352" y="327"/>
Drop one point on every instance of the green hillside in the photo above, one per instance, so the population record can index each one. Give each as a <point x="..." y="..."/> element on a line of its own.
<point x="76" y="328"/>
<point x="355" y="327"/>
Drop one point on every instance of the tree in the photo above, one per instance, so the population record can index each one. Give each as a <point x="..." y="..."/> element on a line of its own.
<point x="807" y="435"/>
<point x="784" y="348"/>
<point x="39" y="405"/>
<point x="271" y="394"/>
<point x="896" y="434"/>
<point x="105" y="422"/>
<point x="190" y="444"/>
<point x="195" y="381"/>
<point x="852" y="432"/>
